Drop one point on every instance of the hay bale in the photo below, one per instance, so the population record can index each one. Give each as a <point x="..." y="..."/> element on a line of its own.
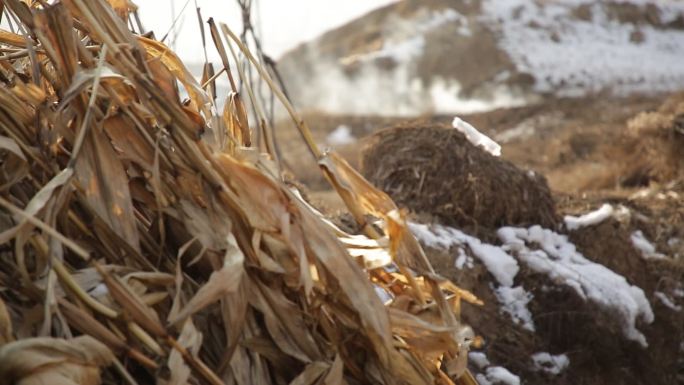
<point x="433" y="169"/>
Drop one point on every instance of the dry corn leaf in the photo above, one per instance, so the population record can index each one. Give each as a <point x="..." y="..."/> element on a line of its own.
<point x="5" y="324"/>
<point x="54" y="29"/>
<point x="123" y="7"/>
<point x="102" y="176"/>
<point x="334" y="376"/>
<point x="285" y="323"/>
<point x="224" y="281"/>
<point x="38" y="361"/>
<point x="157" y="50"/>
<point x="16" y="166"/>
<point x="11" y="38"/>
<point x="163" y="77"/>
<point x="129" y="143"/>
<point x="235" y="119"/>
<point x="280" y="294"/>
<point x="191" y="339"/>
<point x="311" y="373"/>
<point x="353" y="283"/>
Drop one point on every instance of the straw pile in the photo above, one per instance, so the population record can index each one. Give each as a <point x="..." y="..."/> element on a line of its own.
<point x="145" y="241"/>
<point x="453" y="180"/>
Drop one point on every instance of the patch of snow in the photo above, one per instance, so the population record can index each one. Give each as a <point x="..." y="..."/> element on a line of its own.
<point x="678" y="292"/>
<point x="501" y="375"/>
<point x="647" y="249"/>
<point x="463" y="260"/>
<point x="574" y="57"/>
<point x="406" y="40"/>
<point x="445" y="98"/>
<point x="589" y="219"/>
<point x="667" y="301"/>
<point x="340" y="136"/>
<point x="436" y="236"/>
<point x="482" y="379"/>
<point x="552" y="364"/>
<point x="479" y="359"/>
<point x="501" y="265"/>
<point x="477" y="138"/>
<point x="547" y="252"/>
<point x="514" y="301"/>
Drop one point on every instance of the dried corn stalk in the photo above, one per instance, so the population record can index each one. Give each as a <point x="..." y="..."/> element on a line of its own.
<point x="151" y="226"/>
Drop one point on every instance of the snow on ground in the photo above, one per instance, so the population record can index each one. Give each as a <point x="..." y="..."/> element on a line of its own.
<point x="497" y="375"/>
<point x="589" y="219"/>
<point x="492" y="374"/>
<point x="552" y="254"/>
<point x="514" y="302"/>
<point x="646" y="248"/>
<point x="579" y="55"/>
<point x="667" y="301"/>
<point x="501" y="265"/>
<point x="340" y="136"/>
<point x="406" y="40"/>
<point x="547" y="252"/>
<point x="479" y="359"/>
<point x="551" y="364"/>
<point x="463" y="260"/>
<point x="475" y="137"/>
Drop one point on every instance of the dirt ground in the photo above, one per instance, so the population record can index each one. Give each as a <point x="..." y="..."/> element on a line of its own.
<point x="592" y="151"/>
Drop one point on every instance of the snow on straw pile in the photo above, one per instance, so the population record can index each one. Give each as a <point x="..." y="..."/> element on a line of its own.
<point x="153" y="226"/>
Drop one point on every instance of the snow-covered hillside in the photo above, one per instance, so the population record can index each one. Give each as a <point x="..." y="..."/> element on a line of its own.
<point x="422" y="56"/>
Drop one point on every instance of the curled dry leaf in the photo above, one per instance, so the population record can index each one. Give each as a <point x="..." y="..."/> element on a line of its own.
<point x="235" y="119"/>
<point x="38" y="361"/>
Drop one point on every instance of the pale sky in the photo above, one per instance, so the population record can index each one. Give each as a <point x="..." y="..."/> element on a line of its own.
<point x="284" y="23"/>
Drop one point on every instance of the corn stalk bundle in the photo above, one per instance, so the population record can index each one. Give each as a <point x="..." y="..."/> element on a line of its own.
<point x="145" y="240"/>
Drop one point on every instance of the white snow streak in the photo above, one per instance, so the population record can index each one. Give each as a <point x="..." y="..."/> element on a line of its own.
<point x="501" y="265"/>
<point x="551" y="364"/>
<point x="667" y="301"/>
<point x="477" y="138"/>
<point x="514" y="301"/>
<point x="547" y="252"/>
<point x="647" y="249"/>
<point x="589" y="219"/>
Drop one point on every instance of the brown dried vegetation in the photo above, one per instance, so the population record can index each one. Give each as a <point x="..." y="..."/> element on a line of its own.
<point x="144" y="240"/>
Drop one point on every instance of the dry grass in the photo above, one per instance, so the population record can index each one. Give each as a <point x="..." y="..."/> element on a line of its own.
<point x="144" y="240"/>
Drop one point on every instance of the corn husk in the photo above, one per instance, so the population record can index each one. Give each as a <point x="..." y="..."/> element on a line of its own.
<point x="145" y="239"/>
